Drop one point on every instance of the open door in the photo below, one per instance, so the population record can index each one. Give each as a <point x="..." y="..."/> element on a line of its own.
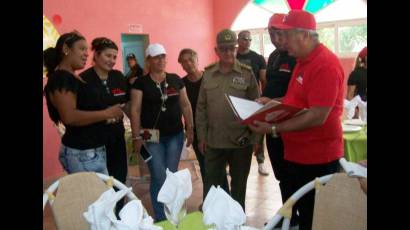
<point x="136" y="44"/>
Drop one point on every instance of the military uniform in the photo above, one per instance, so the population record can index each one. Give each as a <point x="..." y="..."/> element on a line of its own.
<point x="219" y="128"/>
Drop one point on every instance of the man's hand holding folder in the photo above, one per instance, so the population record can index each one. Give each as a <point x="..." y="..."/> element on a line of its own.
<point x="272" y="112"/>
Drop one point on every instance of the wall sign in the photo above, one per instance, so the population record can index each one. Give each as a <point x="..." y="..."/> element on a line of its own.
<point x="135" y="28"/>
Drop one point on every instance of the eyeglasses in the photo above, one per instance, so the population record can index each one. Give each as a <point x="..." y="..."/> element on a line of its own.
<point x="247" y="39"/>
<point x="130" y="56"/>
<point x="107" y="41"/>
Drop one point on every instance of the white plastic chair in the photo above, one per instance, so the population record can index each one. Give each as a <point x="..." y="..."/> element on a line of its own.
<point x="70" y="196"/>
<point x="340" y="186"/>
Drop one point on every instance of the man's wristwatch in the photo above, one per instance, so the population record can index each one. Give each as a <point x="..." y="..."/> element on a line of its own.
<point x="273" y="132"/>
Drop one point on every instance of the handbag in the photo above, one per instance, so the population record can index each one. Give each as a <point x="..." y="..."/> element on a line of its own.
<point x="150" y="135"/>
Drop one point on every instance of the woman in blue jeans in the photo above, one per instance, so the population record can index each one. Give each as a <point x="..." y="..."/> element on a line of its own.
<point x="73" y="103"/>
<point x="158" y="101"/>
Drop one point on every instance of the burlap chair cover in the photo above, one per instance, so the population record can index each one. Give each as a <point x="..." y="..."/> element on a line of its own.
<point x="75" y="193"/>
<point x="340" y="205"/>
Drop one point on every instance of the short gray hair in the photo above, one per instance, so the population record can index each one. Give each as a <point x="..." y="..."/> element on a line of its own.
<point x="243" y="32"/>
<point x="189" y="51"/>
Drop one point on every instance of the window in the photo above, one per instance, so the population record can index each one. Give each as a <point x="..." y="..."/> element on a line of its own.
<point x="327" y="37"/>
<point x="341" y="24"/>
<point x="344" y="38"/>
<point x="352" y="38"/>
<point x="268" y="47"/>
<point x="256" y="43"/>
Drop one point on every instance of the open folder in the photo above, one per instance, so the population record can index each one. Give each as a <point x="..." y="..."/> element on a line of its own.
<point x="247" y="111"/>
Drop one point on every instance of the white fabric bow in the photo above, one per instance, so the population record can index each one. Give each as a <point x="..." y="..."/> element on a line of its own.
<point x="100" y="214"/>
<point x="220" y="209"/>
<point x="175" y="190"/>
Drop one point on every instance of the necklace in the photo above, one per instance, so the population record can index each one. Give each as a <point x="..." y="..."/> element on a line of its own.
<point x="164" y="95"/>
<point x="104" y="82"/>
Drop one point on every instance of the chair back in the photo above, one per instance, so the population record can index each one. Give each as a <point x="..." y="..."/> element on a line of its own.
<point x="75" y="193"/>
<point x="340" y="204"/>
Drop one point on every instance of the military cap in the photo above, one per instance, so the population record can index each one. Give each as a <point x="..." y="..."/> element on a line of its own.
<point x="226" y="37"/>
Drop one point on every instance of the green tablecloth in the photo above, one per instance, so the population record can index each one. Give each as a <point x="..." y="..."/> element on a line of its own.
<point x="191" y="221"/>
<point x="355" y="145"/>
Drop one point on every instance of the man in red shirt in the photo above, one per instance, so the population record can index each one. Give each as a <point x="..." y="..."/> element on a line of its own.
<point x="313" y="141"/>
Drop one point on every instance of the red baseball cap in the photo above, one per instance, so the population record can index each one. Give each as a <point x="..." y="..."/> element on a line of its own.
<point x="298" y="19"/>
<point x="363" y="53"/>
<point x="275" y="19"/>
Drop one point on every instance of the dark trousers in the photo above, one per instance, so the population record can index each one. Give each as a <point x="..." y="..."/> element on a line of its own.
<point x="201" y="160"/>
<point x="298" y="176"/>
<point x="239" y="161"/>
<point x="276" y="155"/>
<point x="117" y="161"/>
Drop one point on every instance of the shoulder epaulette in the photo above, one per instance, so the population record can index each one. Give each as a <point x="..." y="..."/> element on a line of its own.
<point x="245" y="66"/>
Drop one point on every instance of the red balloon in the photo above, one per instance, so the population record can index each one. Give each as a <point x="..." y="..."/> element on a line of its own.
<point x="57" y="19"/>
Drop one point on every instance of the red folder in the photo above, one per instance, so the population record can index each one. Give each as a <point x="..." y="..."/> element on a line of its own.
<point x="247" y="111"/>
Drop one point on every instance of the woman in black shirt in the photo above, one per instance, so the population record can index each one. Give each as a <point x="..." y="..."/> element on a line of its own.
<point x="72" y="102"/>
<point x="158" y="100"/>
<point x="135" y="70"/>
<point x="357" y="82"/>
<point x="111" y="85"/>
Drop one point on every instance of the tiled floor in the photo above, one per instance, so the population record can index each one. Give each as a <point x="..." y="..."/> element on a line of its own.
<point x="263" y="197"/>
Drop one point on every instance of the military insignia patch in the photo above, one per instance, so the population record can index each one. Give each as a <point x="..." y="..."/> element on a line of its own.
<point x="238" y="80"/>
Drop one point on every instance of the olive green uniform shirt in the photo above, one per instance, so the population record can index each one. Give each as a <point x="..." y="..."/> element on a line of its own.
<point x="216" y="122"/>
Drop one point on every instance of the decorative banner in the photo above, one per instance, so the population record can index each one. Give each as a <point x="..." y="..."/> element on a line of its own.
<point x="274" y="6"/>
<point x="135" y="28"/>
<point x="313" y="6"/>
<point x="50" y="37"/>
<point x="296" y="4"/>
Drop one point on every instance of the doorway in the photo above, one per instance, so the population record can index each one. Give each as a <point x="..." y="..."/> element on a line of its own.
<point x="136" y="44"/>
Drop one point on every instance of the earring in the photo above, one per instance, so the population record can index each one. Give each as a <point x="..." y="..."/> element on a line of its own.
<point x="65" y="54"/>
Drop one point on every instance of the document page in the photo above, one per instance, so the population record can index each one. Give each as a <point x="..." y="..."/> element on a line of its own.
<point x="243" y="107"/>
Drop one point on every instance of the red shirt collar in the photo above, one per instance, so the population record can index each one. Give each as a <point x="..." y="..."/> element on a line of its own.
<point x="313" y="54"/>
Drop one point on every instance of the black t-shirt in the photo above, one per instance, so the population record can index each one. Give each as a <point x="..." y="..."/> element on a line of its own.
<point x="358" y="77"/>
<point x="273" y="61"/>
<point x="112" y="91"/>
<point x="79" y="137"/>
<point x="192" y="90"/>
<point x="169" y="121"/>
<point x="136" y="71"/>
<point x="278" y="74"/>
<point x="254" y="60"/>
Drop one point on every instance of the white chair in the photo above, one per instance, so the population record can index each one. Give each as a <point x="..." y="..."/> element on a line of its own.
<point x="70" y="196"/>
<point x="340" y="204"/>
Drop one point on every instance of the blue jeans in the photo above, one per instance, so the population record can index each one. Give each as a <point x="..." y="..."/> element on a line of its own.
<point x="87" y="160"/>
<point x="165" y="154"/>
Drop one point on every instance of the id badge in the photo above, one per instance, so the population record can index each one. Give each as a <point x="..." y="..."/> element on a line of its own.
<point x="150" y="135"/>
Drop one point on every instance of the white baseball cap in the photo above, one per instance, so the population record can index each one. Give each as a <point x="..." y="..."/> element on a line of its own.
<point x="155" y="50"/>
